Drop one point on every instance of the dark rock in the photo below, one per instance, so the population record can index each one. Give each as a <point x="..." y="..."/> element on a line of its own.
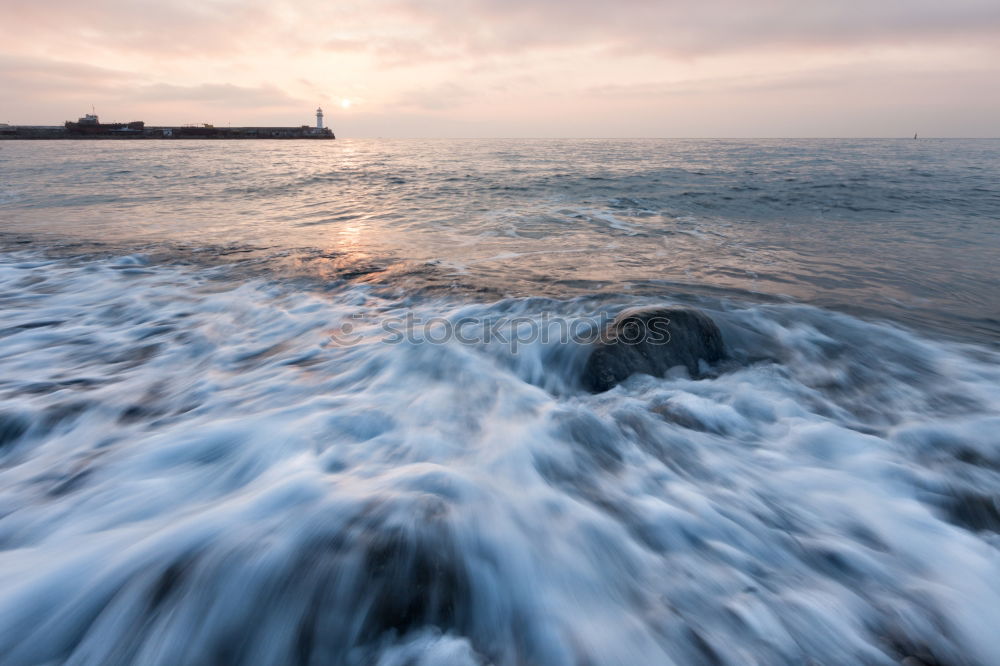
<point x="651" y="341"/>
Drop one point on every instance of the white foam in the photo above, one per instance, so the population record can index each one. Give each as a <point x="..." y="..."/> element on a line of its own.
<point x="201" y="463"/>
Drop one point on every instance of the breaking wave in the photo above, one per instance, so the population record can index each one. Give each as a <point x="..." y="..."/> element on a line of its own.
<point x="194" y="470"/>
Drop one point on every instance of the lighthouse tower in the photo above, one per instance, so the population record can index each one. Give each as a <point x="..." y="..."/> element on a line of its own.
<point x="319" y="118"/>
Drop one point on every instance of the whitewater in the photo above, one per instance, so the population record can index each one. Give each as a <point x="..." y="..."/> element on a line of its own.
<point x="216" y="447"/>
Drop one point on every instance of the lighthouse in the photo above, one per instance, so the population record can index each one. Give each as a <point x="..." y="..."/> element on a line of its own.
<point x="319" y="118"/>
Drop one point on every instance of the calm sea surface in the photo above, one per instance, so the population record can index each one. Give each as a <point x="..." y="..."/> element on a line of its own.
<point x="213" y="451"/>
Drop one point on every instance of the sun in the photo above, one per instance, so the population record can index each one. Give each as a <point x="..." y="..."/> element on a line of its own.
<point x="345" y="103"/>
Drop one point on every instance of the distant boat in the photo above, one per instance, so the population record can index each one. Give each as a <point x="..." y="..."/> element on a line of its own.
<point x="90" y="124"/>
<point x="914" y="136"/>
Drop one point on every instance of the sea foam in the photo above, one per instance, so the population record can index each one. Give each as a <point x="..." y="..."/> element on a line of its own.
<point x="195" y="467"/>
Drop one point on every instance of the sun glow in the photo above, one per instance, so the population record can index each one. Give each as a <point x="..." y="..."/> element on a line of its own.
<point x="345" y="103"/>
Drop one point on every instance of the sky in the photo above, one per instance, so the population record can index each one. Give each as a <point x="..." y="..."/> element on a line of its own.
<point x="512" y="68"/>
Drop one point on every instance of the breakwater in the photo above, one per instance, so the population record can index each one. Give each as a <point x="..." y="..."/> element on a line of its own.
<point x="36" y="132"/>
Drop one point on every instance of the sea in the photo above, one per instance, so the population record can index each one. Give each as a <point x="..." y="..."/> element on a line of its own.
<point x="320" y="402"/>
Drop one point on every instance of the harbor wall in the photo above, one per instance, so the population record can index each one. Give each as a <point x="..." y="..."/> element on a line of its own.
<point x="36" y="132"/>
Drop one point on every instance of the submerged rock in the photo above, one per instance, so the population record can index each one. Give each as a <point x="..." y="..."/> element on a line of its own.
<point x="651" y="341"/>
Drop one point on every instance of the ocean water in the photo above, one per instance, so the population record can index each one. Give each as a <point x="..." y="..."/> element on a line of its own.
<point x="320" y="403"/>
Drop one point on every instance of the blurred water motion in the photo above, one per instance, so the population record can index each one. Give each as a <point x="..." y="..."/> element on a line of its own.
<point x="193" y="472"/>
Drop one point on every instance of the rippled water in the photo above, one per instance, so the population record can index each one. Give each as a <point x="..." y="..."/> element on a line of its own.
<point x="210" y="452"/>
<point x="906" y="229"/>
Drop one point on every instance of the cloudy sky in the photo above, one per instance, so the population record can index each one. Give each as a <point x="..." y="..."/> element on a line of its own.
<point x="512" y="67"/>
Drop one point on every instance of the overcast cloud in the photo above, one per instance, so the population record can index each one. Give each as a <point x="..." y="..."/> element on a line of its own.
<point x="513" y="67"/>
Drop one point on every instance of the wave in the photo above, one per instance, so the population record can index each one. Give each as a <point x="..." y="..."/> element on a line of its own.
<point x="196" y="467"/>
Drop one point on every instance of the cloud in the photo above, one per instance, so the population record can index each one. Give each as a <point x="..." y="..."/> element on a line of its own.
<point x="34" y="74"/>
<point x="177" y="27"/>
<point x="515" y="61"/>
<point x="23" y="74"/>
<point x="402" y="32"/>
<point x="64" y="88"/>
<point x="447" y="95"/>
<point x="346" y="45"/>
<point x="681" y="27"/>
<point x="226" y="94"/>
